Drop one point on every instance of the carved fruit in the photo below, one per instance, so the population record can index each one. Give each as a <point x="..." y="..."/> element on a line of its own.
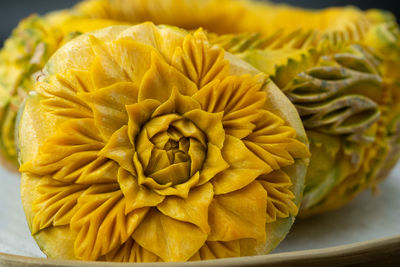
<point x="148" y="143"/>
<point x="339" y="66"/>
<point x="346" y="91"/>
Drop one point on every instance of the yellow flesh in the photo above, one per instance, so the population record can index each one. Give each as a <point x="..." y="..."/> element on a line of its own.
<point x="217" y="174"/>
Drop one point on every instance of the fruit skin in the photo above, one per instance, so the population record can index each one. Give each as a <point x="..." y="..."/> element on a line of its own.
<point x="36" y="125"/>
<point x="23" y="56"/>
<point x="285" y="41"/>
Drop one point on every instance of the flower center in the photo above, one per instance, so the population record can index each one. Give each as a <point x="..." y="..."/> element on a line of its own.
<point x="173" y="149"/>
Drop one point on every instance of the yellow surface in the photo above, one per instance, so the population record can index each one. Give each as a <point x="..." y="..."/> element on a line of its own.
<point x="161" y="147"/>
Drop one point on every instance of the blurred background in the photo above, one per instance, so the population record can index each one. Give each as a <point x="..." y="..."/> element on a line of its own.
<point x="11" y="11"/>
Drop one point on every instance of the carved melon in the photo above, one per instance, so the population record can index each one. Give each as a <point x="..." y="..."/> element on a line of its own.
<point x="148" y="143"/>
<point x="334" y="82"/>
<point x="338" y="37"/>
<point x="337" y="65"/>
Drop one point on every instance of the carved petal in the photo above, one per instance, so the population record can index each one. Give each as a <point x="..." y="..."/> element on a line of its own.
<point x="131" y="251"/>
<point x="217" y="250"/>
<point x="213" y="164"/>
<point x="120" y="149"/>
<point x="240" y="214"/>
<point x="274" y="142"/>
<point x="168" y="238"/>
<point x="108" y="105"/>
<point x="138" y="114"/>
<point x="61" y="97"/>
<point x="280" y="197"/>
<point x="209" y="123"/>
<point x="72" y="155"/>
<point x="199" y="60"/>
<point x="133" y="57"/>
<point x="105" y="71"/>
<point x="181" y="190"/>
<point x="176" y="103"/>
<point x="80" y="80"/>
<point x="101" y="222"/>
<point x="245" y="167"/>
<point x="238" y="97"/>
<point x="159" y="80"/>
<point x="143" y="179"/>
<point x="194" y="209"/>
<point x="56" y="205"/>
<point x="137" y="196"/>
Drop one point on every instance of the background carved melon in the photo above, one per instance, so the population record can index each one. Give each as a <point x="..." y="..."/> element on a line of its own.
<point x="21" y="59"/>
<point x="312" y="70"/>
<point x="149" y="143"/>
<point x="340" y="57"/>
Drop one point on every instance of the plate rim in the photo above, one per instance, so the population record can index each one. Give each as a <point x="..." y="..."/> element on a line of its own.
<point x="360" y="252"/>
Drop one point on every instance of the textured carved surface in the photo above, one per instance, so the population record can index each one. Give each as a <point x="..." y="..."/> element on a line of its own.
<point x="172" y="158"/>
<point x="327" y="100"/>
<point x="23" y="56"/>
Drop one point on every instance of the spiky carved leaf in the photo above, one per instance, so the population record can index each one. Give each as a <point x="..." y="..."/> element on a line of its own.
<point x="56" y="204"/>
<point x="273" y="142"/>
<point x="217" y="250"/>
<point x="280" y="203"/>
<point x="200" y="61"/>
<point x="71" y="155"/>
<point x="131" y="251"/>
<point x="101" y="222"/>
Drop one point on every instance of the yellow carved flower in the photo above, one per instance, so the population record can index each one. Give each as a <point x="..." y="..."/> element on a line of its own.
<point x="158" y="147"/>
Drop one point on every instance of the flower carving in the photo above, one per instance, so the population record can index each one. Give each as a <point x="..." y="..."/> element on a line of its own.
<point x="165" y="152"/>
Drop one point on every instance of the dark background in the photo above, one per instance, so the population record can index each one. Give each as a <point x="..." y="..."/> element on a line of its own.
<point x="11" y="11"/>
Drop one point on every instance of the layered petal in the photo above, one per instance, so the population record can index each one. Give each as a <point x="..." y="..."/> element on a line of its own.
<point x="213" y="164"/>
<point x="108" y="105"/>
<point x="193" y="209"/>
<point x="244" y="167"/>
<point x="169" y="239"/>
<point x="101" y="222"/>
<point x="209" y="123"/>
<point x="137" y="196"/>
<point x="239" y="98"/>
<point x="275" y="142"/>
<point x="280" y="203"/>
<point x="56" y="204"/>
<point x="105" y="71"/>
<point x="239" y="215"/>
<point x="138" y="114"/>
<point x="199" y="60"/>
<point x="176" y="103"/>
<point x="72" y="155"/>
<point x="161" y="78"/>
<point x="131" y="251"/>
<point x="217" y="250"/>
<point x="119" y="149"/>
<point x="181" y="190"/>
